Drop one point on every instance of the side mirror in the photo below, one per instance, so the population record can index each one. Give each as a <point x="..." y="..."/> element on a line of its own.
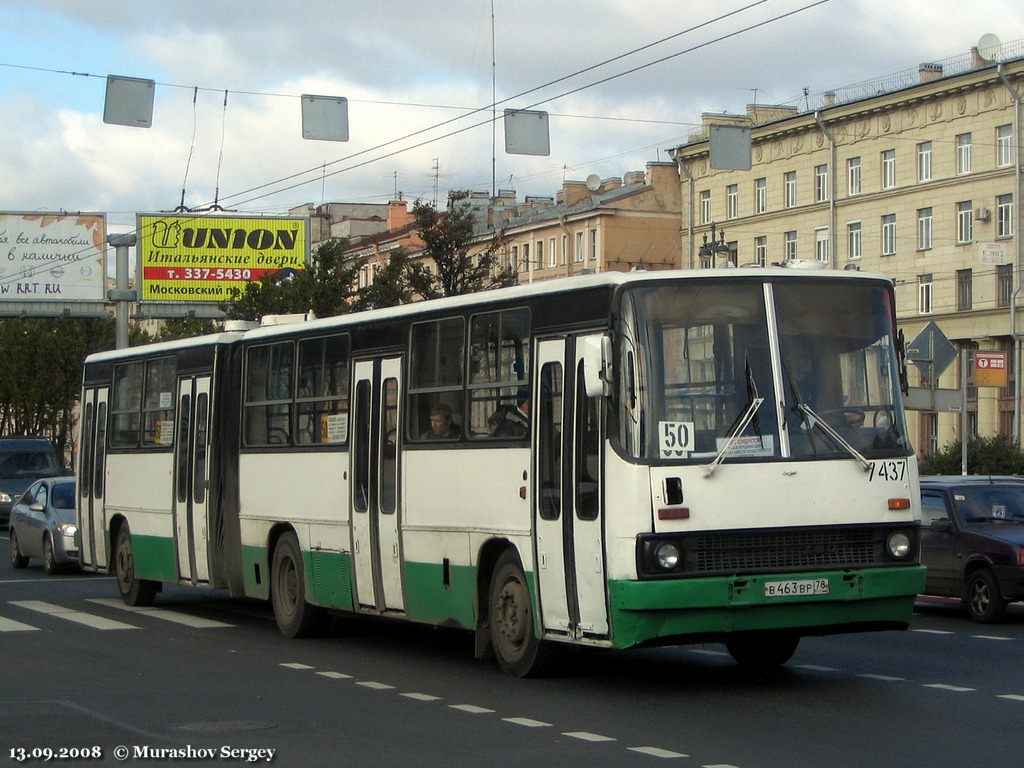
<point x="942" y="525"/>
<point x="596" y="353"/>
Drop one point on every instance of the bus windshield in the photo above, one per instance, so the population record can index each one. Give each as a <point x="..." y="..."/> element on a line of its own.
<point x="755" y="371"/>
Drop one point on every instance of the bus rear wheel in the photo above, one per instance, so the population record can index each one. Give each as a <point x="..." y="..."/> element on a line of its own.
<point x="134" y="591"/>
<point x="764" y="650"/>
<point x="519" y="650"/>
<point x="295" y="617"/>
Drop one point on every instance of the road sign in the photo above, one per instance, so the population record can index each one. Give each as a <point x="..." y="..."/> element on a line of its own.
<point x="990" y="369"/>
<point x="931" y="352"/>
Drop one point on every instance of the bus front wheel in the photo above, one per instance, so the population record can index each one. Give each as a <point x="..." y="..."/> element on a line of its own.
<point x="763" y="651"/>
<point x="134" y="591"/>
<point x="519" y="650"/>
<point x="295" y="617"/>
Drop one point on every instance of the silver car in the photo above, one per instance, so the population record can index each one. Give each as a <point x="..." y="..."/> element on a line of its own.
<point x="43" y="524"/>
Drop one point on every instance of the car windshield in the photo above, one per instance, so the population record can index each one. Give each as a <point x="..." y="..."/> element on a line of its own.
<point x="22" y="463"/>
<point x="990" y="503"/>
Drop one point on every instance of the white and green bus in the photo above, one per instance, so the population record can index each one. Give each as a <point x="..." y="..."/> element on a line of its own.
<point x="612" y="460"/>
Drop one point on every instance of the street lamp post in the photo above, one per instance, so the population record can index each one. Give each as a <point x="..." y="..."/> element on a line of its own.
<point x="121" y="295"/>
<point x="717" y="246"/>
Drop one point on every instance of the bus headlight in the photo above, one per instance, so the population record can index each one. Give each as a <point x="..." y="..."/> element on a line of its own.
<point x="666" y="555"/>
<point x="900" y="546"/>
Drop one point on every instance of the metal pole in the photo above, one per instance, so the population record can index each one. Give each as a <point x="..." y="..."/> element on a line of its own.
<point x="963" y="411"/>
<point x="121" y="295"/>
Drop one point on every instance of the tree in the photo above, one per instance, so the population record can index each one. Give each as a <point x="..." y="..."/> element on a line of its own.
<point x="41" y="378"/>
<point x="185" y="328"/>
<point x="447" y="237"/>
<point x="392" y="285"/>
<point x="325" y="288"/>
<point x="985" y="456"/>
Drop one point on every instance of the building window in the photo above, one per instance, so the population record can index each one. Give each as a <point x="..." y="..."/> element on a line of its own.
<point x="964" y="222"/>
<point x="593" y="245"/>
<point x="789" y="249"/>
<point x="705" y="206"/>
<point x="527" y="266"/>
<point x="579" y="246"/>
<point x="889" y="234"/>
<point x="820" y="183"/>
<point x="928" y="422"/>
<point x="924" y="161"/>
<point x="963" y="289"/>
<point x="924" y="229"/>
<point x="565" y="249"/>
<point x="889" y="169"/>
<point x="853" y="175"/>
<point x="789" y="190"/>
<point x="760" y="195"/>
<point x="1004" y="145"/>
<point x="822" y="251"/>
<point x="854" y="239"/>
<point x="1004" y="216"/>
<point x="552" y="254"/>
<point x="732" y="201"/>
<point x="963" y="153"/>
<point x="1004" y="284"/>
<point x="539" y="249"/>
<point x="924" y="294"/>
<point x="761" y="250"/>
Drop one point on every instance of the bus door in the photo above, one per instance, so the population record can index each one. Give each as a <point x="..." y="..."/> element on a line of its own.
<point x="376" y="439"/>
<point x="568" y="503"/>
<point x="91" y="468"/>
<point x="191" y="471"/>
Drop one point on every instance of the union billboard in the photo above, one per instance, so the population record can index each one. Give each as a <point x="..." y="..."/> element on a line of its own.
<point x="189" y="258"/>
<point x="52" y="256"/>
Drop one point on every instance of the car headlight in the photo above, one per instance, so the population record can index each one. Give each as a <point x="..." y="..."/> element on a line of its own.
<point x="666" y="555"/>
<point x="67" y="529"/>
<point x="5" y="497"/>
<point x="899" y="545"/>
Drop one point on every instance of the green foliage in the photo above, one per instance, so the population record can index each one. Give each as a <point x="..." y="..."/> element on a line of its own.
<point x="392" y="285"/>
<point x="326" y="288"/>
<point x="185" y="328"/>
<point x="447" y="237"/>
<point x="996" y="455"/>
<point x="41" y="375"/>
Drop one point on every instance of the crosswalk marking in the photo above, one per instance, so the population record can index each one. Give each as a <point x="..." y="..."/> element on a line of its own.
<point x="79" y="617"/>
<point x="10" y="625"/>
<point x="160" y="613"/>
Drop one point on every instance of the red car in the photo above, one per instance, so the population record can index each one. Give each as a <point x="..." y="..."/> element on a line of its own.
<point x="972" y="540"/>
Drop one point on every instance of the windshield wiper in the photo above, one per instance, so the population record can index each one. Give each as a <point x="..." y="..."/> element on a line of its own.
<point x="755" y="403"/>
<point x="812" y="419"/>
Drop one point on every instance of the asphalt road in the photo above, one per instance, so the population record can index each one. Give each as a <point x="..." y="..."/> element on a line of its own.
<point x="201" y="679"/>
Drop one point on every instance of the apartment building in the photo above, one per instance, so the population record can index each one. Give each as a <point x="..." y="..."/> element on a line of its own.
<point x="596" y="225"/>
<point x="916" y="176"/>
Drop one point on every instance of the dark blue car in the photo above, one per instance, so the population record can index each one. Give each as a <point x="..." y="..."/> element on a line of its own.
<point x="973" y="541"/>
<point x="23" y="460"/>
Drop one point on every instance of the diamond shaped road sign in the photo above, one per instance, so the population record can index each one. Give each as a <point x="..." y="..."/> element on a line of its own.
<point x="932" y="352"/>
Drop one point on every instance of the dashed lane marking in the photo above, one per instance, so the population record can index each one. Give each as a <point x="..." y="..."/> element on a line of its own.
<point x="587" y="736"/>
<point x="79" y="617"/>
<point x="657" y="752"/>
<point x="525" y="721"/>
<point x="472" y="709"/>
<point x="160" y="613"/>
<point x="953" y="688"/>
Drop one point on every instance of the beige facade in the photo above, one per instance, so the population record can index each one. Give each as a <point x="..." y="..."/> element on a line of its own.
<point x="920" y="182"/>
<point x="596" y="226"/>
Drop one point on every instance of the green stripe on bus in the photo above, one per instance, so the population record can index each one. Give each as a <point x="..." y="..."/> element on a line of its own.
<point x="430" y="600"/>
<point x="650" y="610"/>
<point x="154" y="558"/>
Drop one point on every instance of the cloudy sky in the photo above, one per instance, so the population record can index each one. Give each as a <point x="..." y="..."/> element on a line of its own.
<point x="622" y="81"/>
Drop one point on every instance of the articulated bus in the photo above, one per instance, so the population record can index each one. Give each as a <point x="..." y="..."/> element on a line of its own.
<point x="616" y="460"/>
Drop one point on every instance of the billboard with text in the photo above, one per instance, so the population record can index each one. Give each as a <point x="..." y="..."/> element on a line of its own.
<point x="52" y="257"/>
<point x="190" y="258"/>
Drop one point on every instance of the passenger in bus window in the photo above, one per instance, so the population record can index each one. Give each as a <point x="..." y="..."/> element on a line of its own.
<point x="494" y="422"/>
<point x="442" y="424"/>
<point x="517" y="420"/>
